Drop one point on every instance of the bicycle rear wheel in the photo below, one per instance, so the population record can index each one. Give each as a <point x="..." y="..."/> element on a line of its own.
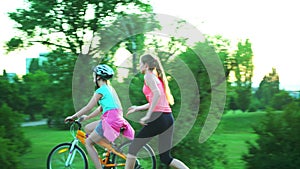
<point x="145" y="157"/>
<point x="58" y="156"/>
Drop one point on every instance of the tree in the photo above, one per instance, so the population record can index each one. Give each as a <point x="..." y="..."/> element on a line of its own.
<point x="74" y="26"/>
<point x="205" y="154"/>
<point x="243" y="72"/>
<point x="268" y="87"/>
<point x="34" y="65"/>
<point x="59" y="69"/>
<point x="12" y="140"/>
<point x="280" y="100"/>
<point x="222" y="46"/>
<point x="129" y="31"/>
<point x="66" y="24"/>
<point x="278" y="141"/>
<point x="11" y="94"/>
<point x="35" y="85"/>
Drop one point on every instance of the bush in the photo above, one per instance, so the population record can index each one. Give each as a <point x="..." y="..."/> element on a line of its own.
<point x="278" y="145"/>
<point x="281" y="100"/>
<point x="13" y="143"/>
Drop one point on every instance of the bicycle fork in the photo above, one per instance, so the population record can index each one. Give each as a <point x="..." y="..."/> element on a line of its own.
<point x="72" y="153"/>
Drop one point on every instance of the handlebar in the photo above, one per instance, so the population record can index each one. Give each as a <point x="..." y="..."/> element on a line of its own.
<point x="78" y="122"/>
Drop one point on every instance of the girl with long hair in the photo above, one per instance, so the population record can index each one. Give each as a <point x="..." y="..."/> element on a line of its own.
<point x="158" y="120"/>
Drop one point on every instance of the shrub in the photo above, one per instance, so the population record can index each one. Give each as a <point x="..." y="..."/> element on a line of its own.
<point x="278" y="145"/>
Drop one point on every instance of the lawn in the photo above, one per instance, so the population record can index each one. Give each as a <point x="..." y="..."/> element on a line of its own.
<point x="43" y="140"/>
<point x="233" y="130"/>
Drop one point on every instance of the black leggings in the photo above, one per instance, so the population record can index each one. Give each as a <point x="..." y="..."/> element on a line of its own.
<point x="161" y="125"/>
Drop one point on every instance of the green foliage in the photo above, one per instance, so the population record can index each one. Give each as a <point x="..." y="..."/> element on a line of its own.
<point x="222" y="46"/>
<point x="203" y="155"/>
<point x="243" y="72"/>
<point x="197" y="155"/>
<point x="34" y="84"/>
<point x="34" y="65"/>
<point x="231" y="98"/>
<point x="278" y="143"/>
<point x="11" y="94"/>
<point x="59" y="67"/>
<point x="243" y="98"/>
<point x="238" y="65"/>
<point x="14" y="43"/>
<point x="255" y="105"/>
<point x="280" y="100"/>
<point x="71" y="19"/>
<point x="268" y="87"/>
<point x="244" y="65"/>
<point x="13" y="143"/>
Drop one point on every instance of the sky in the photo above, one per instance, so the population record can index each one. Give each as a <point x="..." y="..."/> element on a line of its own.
<point x="272" y="26"/>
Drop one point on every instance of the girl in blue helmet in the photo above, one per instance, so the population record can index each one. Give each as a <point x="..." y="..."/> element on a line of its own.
<point x="107" y="129"/>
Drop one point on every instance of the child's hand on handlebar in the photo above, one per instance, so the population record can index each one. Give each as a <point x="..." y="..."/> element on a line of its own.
<point x="69" y="119"/>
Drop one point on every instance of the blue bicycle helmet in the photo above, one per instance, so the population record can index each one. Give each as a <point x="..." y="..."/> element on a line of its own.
<point x="104" y="71"/>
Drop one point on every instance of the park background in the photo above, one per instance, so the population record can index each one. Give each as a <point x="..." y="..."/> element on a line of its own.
<point x="259" y="126"/>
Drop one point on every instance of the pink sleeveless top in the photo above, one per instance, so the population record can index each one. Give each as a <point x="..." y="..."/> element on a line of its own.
<point x="162" y="104"/>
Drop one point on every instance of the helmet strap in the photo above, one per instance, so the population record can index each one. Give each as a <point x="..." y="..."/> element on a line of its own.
<point x="96" y="82"/>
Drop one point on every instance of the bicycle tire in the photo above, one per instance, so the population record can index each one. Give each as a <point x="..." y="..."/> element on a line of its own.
<point x="145" y="158"/>
<point x="59" y="154"/>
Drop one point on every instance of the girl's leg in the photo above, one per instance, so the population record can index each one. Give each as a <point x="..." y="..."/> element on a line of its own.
<point x="134" y="147"/>
<point x="165" y="144"/>
<point x="89" y="144"/>
<point x="89" y="128"/>
<point x="142" y="138"/>
<point x="130" y="161"/>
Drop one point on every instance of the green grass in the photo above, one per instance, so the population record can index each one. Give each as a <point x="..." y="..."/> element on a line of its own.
<point x="234" y="129"/>
<point x="43" y="140"/>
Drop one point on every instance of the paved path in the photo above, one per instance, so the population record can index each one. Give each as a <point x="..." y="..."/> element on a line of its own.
<point x="34" y="123"/>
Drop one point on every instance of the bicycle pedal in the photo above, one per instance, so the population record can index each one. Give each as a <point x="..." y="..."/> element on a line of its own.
<point x="137" y="165"/>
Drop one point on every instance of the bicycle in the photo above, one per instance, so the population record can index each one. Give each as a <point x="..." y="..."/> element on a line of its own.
<point x="72" y="155"/>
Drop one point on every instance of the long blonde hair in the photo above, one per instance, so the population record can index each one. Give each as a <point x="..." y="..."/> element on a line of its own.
<point x="155" y="65"/>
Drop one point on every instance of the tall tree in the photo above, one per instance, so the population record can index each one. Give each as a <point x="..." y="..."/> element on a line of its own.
<point x="243" y="72"/>
<point x="244" y="66"/>
<point x="268" y="87"/>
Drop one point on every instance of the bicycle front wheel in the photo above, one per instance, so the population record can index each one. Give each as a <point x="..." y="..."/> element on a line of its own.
<point x="61" y="157"/>
<point x="145" y="157"/>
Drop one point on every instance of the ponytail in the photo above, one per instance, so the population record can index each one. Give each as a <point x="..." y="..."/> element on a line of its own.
<point x="155" y="64"/>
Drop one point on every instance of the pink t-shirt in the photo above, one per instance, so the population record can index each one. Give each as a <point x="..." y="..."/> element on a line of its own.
<point x="162" y="104"/>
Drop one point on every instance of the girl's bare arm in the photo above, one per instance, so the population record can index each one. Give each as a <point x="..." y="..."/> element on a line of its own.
<point x="94" y="113"/>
